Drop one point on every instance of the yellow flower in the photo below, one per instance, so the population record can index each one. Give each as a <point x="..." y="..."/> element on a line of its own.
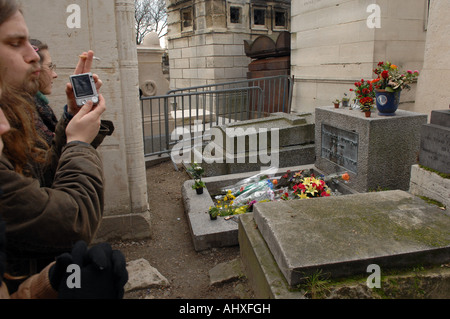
<point x="394" y="67"/>
<point x="307" y="181"/>
<point x="225" y="199"/>
<point x="303" y="195"/>
<point x="311" y="190"/>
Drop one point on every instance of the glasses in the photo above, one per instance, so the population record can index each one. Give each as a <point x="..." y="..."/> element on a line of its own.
<point x="51" y="66"/>
<point x="35" y="48"/>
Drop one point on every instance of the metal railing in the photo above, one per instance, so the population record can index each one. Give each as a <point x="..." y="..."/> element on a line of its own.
<point x="194" y="110"/>
<point x="277" y="91"/>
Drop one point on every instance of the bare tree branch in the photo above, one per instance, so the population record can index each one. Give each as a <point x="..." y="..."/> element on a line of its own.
<point x="151" y="16"/>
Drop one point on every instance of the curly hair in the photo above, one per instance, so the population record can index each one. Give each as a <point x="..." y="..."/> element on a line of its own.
<point x="22" y="144"/>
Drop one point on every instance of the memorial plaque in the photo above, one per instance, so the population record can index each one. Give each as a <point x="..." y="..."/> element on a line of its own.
<point x="340" y="147"/>
<point x="435" y="148"/>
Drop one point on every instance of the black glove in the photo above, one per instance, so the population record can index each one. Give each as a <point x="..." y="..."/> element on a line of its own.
<point x="103" y="273"/>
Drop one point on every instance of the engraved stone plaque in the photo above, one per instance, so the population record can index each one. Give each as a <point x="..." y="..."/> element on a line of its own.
<point x="340" y="147"/>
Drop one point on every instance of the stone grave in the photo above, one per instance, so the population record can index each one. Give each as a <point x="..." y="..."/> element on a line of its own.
<point x="343" y="235"/>
<point x="280" y="140"/>
<point x="431" y="177"/>
<point x="208" y="234"/>
<point x="377" y="152"/>
<point x="435" y="142"/>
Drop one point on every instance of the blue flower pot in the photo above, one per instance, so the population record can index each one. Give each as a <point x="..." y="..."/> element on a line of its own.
<point x="387" y="102"/>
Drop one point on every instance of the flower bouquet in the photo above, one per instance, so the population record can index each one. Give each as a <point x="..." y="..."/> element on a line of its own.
<point x="391" y="79"/>
<point x="365" y="95"/>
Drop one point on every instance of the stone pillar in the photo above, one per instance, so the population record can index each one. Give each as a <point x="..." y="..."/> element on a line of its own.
<point x="432" y="88"/>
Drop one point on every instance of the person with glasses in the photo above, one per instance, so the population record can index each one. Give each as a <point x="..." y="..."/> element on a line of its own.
<point x="46" y="120"/>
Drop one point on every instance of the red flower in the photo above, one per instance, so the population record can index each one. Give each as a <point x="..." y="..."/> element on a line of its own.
<point x="324" y="194"/>
<point x="385" y="74"/>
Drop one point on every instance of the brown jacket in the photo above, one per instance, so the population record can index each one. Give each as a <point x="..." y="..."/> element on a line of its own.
<point x="46" y="217"/>
<point x="35" y="287"/>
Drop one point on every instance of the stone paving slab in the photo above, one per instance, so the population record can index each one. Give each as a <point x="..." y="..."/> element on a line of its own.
<point x="343" y="235"/>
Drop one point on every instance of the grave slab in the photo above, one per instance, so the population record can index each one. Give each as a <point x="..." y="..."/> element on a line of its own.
<point x="343" y="235"/>
<point x="208" y="234"/>
<point x="435" y="148"/>
<point x="440" y="117"/>
<point x="280" y="140"/>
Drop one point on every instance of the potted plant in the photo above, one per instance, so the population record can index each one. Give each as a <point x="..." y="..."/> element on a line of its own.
<point x="366" y="109"/>
<point x="213" y="213"/>
<point x="389" y="84"/>
<point x="225" y="207"/>
<point x="336" y="103"/>
<point x="198" y="186"/>
<point x="365" y="95"/>
<point x="345" y="100"/>
<point x="197" y="172"/>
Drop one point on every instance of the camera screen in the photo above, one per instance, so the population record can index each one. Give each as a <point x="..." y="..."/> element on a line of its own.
<point x="82" y="85"/>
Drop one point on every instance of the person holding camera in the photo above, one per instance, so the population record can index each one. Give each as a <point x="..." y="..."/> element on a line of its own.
<point x="52" y="198"/>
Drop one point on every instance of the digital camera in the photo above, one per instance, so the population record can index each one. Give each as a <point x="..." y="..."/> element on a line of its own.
<point x="84" y="88"/>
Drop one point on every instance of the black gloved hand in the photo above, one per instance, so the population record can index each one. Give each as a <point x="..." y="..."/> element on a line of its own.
<point x="103" y="273"/>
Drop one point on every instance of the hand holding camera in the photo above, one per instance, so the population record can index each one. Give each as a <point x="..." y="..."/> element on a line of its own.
<point x="85" y="125"/>
<point x="84" y="86"/>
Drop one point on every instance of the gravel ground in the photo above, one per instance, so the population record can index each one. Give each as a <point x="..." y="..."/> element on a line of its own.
<point x="171" y="251"/>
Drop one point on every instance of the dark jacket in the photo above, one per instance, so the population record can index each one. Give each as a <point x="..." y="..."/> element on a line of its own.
<point x="45" y="216"/>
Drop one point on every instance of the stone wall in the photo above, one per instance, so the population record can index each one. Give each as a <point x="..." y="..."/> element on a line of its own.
<point x="209" y="48"/>
<point x="332" y="46"/>
<point x="107" y="28"/>
<point x="433" y="92"/>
